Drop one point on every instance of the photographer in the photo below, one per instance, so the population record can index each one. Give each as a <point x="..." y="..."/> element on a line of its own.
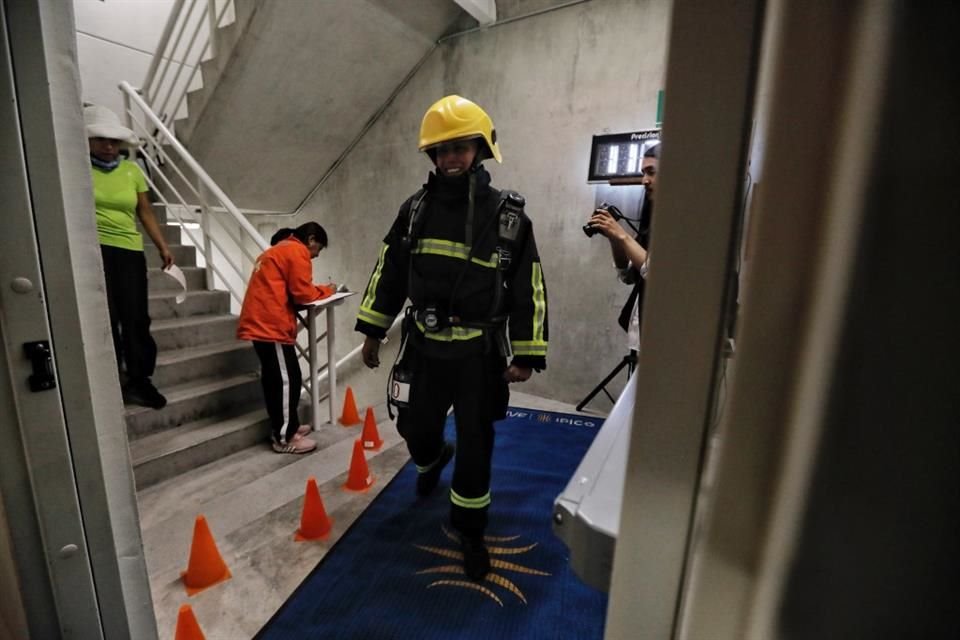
<point x="630" y="254"/>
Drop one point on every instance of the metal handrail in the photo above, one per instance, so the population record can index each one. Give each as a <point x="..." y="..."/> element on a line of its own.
<point x="230" y="269"/>
<point x="189" y="160"/>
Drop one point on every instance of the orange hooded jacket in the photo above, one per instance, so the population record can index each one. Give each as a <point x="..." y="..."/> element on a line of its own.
<point x="282" y="277"/>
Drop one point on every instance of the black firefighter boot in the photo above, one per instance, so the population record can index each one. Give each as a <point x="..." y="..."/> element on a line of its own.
<point x="476" y="558"/>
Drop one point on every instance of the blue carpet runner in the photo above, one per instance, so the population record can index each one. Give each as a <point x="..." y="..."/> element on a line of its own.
<point x="396" y="572"/>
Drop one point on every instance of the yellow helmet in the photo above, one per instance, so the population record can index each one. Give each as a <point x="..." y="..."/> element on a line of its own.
<point x="456" y="118"/>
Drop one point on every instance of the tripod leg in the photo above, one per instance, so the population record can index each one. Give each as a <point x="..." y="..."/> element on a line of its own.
<point x="603" y="384"/>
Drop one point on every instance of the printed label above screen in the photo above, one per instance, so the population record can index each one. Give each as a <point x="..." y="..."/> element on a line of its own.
<point x="617" y="156"/>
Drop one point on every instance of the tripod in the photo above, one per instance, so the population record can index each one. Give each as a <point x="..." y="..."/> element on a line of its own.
<point x="629" y="361"/>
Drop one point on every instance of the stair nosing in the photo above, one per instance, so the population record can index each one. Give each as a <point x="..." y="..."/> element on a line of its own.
<point x="189" y="321"/>
<point x="184" y="354"/>
<point x="203" y="433"/>
<point x="200" y="387"/>
<point x="191" y="293"/>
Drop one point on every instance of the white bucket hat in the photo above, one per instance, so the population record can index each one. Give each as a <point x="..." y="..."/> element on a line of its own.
<point x="104" y="123"/>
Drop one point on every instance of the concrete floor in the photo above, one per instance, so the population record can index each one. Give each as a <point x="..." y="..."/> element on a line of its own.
<point x="252" y="502"/>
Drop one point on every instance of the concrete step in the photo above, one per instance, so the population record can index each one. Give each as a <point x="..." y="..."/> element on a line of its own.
<point x="180" y="333"/>
<point x="183" y="255"/>
<point x="164" y="455"/>
<point x="204" y="361"/>
<point x="171" y="233"/>
<point x="157" y="280"/>
<point x="204" y="398"/>
<point x="163" y="304"/>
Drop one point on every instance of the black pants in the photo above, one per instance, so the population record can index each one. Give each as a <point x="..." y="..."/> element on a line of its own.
<point x="280" y="376"/>
<point x="125" y="272"/>
<point x="474" y="385"/>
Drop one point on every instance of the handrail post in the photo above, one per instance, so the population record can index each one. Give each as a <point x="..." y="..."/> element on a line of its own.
<point x="207" y="241"/>
<point x="331" y="364"/>
<point x="212" y="22"/>
<point x="314" y="377"/>
<point x="127" y="118"/>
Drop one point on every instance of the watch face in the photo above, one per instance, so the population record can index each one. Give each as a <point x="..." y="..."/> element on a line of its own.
<point x="620" y="155"/>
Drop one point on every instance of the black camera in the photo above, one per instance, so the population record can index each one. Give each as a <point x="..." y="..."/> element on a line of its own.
<point x="614" y="211"/>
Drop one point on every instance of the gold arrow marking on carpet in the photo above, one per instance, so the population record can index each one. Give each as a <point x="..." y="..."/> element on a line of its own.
<point x="467" y="585"/>
<point x="509" y="566"/>
<point x="506" y="584"/>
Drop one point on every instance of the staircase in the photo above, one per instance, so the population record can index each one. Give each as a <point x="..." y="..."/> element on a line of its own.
<point x="211" y="379"/>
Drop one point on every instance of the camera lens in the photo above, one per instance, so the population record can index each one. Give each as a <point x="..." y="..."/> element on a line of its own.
<point x="589" y="230"/>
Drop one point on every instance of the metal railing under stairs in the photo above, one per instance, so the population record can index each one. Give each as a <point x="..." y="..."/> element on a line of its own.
<point x="189" y="37"/>
<point x="225" y="240"/>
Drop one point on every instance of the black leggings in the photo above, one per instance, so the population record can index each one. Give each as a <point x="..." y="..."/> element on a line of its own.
<point x="125" y="273"/>
<point x="281" y="378"/>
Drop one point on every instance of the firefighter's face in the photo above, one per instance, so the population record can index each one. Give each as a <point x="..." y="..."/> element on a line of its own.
<point x="455" y="158"/>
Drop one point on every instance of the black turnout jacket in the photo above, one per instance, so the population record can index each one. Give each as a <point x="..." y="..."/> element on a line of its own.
<point x="430" y="266"/>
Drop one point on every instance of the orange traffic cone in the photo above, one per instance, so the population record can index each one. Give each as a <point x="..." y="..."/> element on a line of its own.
<point x="205" y="568"/>
<point x="371" y="437"/>
<point x="314" y="522"/>
<point x="349" y="417"/>
<point x="187" y="626"/>
<point x="359" y="478"/>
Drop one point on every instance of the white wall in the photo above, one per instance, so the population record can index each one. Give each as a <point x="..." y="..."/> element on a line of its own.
<point x="116" y="40"/>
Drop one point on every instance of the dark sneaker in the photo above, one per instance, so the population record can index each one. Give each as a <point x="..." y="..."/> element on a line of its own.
<point x="476" y="558"/>
<point x="143" y="393"/>
<point x="427" y="480"/>
<point x="298" y="444"/>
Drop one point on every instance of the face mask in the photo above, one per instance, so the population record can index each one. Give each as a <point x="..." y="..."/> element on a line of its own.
<point x="106" y="166"/>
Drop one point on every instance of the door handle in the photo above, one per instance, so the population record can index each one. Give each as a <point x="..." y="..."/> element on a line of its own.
<point x="42" y="378"/>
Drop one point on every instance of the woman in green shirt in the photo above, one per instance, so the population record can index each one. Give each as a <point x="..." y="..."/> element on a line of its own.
<point x="120" y="195"/>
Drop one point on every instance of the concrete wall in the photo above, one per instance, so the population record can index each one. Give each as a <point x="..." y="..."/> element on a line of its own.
<point x="549" y="82"/>
<point x="302" y="84"/>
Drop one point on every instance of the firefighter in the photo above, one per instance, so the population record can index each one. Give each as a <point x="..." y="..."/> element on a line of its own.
<point x="464" y="254"/>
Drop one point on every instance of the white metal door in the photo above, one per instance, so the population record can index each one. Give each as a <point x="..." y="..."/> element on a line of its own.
<point x="36" y="467"/>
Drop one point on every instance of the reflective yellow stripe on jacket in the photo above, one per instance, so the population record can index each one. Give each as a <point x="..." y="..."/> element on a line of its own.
<point x="366" y="313"/>
<point x="536" y="346"/>
<point x="457" y="250"/>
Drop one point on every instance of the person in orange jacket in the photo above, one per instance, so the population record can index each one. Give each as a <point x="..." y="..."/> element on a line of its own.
<point x="283" y="277"/>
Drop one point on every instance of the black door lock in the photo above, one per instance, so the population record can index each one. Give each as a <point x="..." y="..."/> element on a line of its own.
<point x="42" y="378"/>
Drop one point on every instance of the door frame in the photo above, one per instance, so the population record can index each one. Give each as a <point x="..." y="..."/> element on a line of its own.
<point x="69" y="485"/>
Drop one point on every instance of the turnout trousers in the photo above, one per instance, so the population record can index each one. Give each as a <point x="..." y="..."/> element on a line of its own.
<point x="475" y="387"/>
<point x="125" y="274"/>
<point x="280" y="377"/>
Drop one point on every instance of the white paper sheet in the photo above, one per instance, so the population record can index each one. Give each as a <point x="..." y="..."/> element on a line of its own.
<point x="175" y="273"/>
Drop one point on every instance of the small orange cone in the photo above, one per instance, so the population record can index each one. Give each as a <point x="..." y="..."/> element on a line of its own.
<point x="314" y="522"/>
<point x="371" y="437"/>
<point x="349" y="417"/>
<point x="187" y="626"/>
<point x="206" y="567"/>
<point x="359" y="478"/>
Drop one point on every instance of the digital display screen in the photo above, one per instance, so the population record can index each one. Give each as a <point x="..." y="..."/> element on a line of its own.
<point x="620" y="155"/>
